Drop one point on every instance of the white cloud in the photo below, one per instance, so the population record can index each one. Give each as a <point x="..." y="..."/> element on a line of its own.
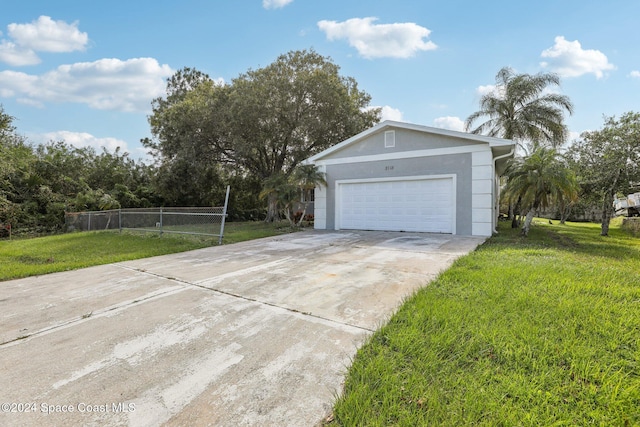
<point x="449" y="122"/>
<point x="387" y="113"/>
<point x="80" y="140"/>
<point x="47" y="35"/>
<point x="42" y="35"/>
<point x="275" y="4"/>
<point x="635" y="74"/>
<point x="400" y="40"/>
<point x="15" y="56"/>
<point x="106" y="84"/>
<point x="568" y="59"/>
<point x="14" y="83"/>
<point x="390" y="113"/>
<point x="485" y="89"/>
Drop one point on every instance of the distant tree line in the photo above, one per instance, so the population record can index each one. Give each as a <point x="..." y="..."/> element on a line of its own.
<point x="38" y="183"/>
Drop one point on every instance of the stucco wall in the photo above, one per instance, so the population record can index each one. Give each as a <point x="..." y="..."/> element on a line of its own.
<point x="417" y="153"/>
<point x="458" y="164"/>
<point x="405" y="140"/>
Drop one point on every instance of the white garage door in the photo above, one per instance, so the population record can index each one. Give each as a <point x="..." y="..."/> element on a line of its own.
<point x="407" y="205"/>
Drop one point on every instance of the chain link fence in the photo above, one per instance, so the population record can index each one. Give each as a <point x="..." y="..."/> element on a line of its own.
<point x="204" y="221"/>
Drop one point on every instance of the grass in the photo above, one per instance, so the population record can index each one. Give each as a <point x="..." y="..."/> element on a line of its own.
<point x="531" y="331"/>
<point x="235" y="232"/>
<point x="35" y="256"/>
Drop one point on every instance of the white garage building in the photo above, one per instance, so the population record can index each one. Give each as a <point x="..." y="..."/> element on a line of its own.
<point x="404" y="177"/>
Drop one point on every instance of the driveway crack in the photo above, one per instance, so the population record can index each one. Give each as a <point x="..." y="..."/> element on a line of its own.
<point x="245" y="298"/>
<point x="93" y="314"/>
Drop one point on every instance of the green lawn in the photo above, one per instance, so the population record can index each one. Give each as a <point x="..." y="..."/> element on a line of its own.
<point x="536" y="331"/>
<point x="42" y="255"/>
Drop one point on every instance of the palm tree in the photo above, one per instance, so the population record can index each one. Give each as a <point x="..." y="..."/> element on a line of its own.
<point x="307" y="178"/>
<point x="287" y="192"/>
<point x="520" y="110"/>
<point x="277" y="190"/>
<point x="539" y="180"/>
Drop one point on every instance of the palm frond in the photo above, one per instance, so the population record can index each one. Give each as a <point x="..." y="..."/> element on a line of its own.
<point x="520" y="110"/>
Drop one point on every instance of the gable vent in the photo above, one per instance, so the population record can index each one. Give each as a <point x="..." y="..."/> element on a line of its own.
<point x="390" y="139"/>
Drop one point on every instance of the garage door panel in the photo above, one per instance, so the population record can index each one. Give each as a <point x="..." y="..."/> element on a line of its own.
<point x="403" y="205"/>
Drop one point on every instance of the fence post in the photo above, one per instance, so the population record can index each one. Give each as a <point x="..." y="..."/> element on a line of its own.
<point x="224" y="215"/>
<point x="161" y="220"/>
<point x="120" y="220"/>
<point x="89" y="221"/>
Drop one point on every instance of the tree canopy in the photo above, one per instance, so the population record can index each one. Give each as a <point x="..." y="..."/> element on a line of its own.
<point x="607" y="162"/>
<point x="522" y="109"/>
<point x="539" y="180"/>
<point x="39" y="183"/>
<point x="262" y="124"/>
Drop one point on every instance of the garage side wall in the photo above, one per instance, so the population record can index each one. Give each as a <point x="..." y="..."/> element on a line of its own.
<point x="483" y="193"/>
<point x="459" y="165"/>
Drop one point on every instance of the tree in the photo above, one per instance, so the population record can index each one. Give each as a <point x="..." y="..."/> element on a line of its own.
<point x="294" y="108"/>
<point x="6" y="125"/>
<point x="280" y="192"/>
<point x="187" y="146"/>
<point x="306" y="178"/>
<point x="292" y="192"/>
<point x="39" y="183"/>
<point x="265" y="122"/>
<point x="63" y="167"/>
<point x="539" y="180"/>
<point x="519" y="109"/>
<point x="16" y="160"/>
<point x="70" y="171"/>
<point x="184" y="123"/>
<point x="607" y="161"/>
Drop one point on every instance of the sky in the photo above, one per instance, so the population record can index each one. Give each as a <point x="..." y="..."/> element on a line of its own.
<point x="86" y="72"/>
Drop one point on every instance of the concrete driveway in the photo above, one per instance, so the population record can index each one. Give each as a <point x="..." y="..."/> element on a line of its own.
<point x="258" y="333"/>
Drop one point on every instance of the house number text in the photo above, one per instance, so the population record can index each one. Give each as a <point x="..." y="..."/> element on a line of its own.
<point x="388" y="168"/>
